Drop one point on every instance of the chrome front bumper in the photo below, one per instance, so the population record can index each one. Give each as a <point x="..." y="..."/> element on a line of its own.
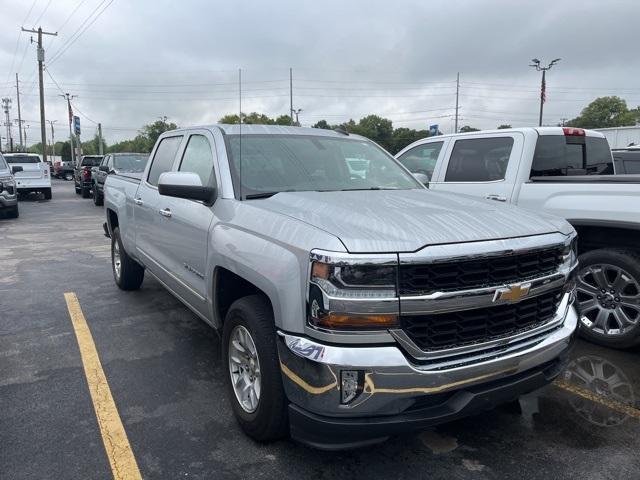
<point x="393" y="382"/>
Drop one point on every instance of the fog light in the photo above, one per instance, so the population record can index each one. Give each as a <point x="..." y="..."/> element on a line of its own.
<point x="350" y="385"/>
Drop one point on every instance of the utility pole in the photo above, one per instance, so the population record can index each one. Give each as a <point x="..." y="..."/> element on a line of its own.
<point x="291" y="94"/>
<point x="6" y="108"/>
<point x="563" y="120"/>
<point x="543" y="86"/>
<point x="22" y="147"/>
<point x="455" y="128"/>
<point x="100" y="148"/>
<point x="43" y="126"/>
<point x="73" y="152"/>
<point x="53" y="140"/>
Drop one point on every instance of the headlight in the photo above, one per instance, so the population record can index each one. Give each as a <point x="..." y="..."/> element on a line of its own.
<point x="353" y="293"/>
<point x="6" y="182"/>
<point x="570" y="253"/>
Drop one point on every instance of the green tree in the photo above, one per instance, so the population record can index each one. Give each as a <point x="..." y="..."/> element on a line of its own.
<point x="504" y="126"/>
<point x="404" y="136"/>
<point x="605" y="112"/>
<point x="376" y="128"/>
<point x="230" y="119"/>
<point x="283" y="120"/>
<point x="467" y="128"/>
<point x="153" y="130"/>
<point x="322" y="124"/>
<point x="65" y="152"/>
<point x="92" y="147"/>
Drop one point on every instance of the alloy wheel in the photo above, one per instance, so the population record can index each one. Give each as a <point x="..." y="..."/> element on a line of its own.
<point x="244" y="368"/>
<point x="117" y="262"/>
<point x="608" y="299"/>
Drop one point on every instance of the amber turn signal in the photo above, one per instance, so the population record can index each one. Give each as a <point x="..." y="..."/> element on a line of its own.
<point x="345" y="321"/>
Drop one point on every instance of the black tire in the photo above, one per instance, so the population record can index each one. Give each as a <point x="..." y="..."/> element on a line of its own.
<point x="269" y="421"/>
<point x="13" y="212"/>
<point x="97" y="198"/>
<point x="131" y="272"/>
<point x="78" y="189"/>
<point x="86" y="192"/>
<point x="620" y="300"/>
<point x="47" y="193"/>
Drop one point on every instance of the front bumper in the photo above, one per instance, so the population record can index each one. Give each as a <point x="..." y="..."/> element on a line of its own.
<point x="399" y="394"/>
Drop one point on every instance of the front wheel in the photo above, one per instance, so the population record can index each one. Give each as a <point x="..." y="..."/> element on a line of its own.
<point x="97" y="198"/>
<point x="47" y="193"/>
<point x="608" y="297"/>
<point x="127" y="273"/>
<point x="253" y="378"/>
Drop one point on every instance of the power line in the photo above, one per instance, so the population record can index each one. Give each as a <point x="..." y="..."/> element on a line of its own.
<point x="77" y="35"/>
<point x="15" y="51"/>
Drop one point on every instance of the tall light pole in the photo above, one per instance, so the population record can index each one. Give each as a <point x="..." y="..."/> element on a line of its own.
<point x="296" y="113"/>
<point x="543" y="86"/>
<point x="68" y="98"/>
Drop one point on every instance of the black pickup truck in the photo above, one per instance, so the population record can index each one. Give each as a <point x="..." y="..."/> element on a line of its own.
<point x="120" y="163"/>
<point x="82" y="174"/>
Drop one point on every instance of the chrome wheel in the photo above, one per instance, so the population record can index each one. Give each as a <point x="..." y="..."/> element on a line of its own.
<point x="244" y="368"/>
<point x="608" y="299"/>
<point x="117" y="262"/>
<point x="606" y="382"/>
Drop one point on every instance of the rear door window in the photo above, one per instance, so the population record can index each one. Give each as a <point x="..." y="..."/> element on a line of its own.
<point x="422" y="159"/>
<point x="198" y="158"/>
<point x="560" y="155"/>
<point x="479" y="159"/>
<point x="163" y="158"/>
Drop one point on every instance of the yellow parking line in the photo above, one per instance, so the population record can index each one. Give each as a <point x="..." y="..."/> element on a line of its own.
<point x="602" y="400"/>
<point x="123" y="463"/>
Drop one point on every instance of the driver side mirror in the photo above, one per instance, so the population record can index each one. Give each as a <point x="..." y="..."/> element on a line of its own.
<point x="103" y="168"/>
<point x="422" y="178"/>
<point x="16" y="169"/>
<point x="185" y="185"/>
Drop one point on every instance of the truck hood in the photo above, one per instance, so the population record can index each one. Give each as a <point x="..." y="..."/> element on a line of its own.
<point x="407" y="220"/>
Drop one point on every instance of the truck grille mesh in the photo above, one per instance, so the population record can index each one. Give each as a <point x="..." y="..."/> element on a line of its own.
<point x="468" y="274"/>
<point x="455" y="329"/>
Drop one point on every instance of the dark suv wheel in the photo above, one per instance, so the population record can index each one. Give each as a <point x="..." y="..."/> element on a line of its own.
<point x="608" y="291"/>
<point x="98" y="199"/>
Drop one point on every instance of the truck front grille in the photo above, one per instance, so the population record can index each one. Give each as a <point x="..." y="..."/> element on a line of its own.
<point x="456" y="329"/>
<point x="427" y="278"/>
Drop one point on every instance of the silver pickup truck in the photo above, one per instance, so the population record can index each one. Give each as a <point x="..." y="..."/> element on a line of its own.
<point x="353" y="304"/>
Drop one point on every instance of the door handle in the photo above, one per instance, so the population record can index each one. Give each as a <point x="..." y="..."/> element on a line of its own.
<point x="138" y="201"/>
<point x="165" y="213"/>
<point x="497" y="198"/>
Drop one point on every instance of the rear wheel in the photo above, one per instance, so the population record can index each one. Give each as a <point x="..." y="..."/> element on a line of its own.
<point x="254" y="380"/>
<point x="86" y="192"/>
<point x="47" y="193"/>
<point x="13" y="212"/>
<point x="97" y="198"/>
<point x="68" y="176"/>
<point x="608" y="291"/>
<point x="127" y="273"/>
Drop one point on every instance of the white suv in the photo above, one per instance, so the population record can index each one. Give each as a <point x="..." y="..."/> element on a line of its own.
<point x="35" y="175"/>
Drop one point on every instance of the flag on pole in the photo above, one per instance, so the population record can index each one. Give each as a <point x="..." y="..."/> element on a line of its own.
<point x="70" y="114"/>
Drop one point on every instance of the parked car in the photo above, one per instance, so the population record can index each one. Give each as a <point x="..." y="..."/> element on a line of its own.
<point x="82" y="174"/>
<point x="627" y="160"/>
<point x="34" y="176"/>
<point x="120" y="163"/>
<point x="63" y="170"/>
<point x="8" y="190"/>
<point x="563" y="171"/>
<point x="351" y="307"/>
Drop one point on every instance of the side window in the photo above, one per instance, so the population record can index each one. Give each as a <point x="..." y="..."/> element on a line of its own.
<point x="560" y="155"/>
<point x="163" y="159"/>
<point x="479" y="160"/>
<point x="198" y="158"/>
<point x="422" y="159"/>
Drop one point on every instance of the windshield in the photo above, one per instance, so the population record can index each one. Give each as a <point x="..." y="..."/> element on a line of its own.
<point x="277" y="163"/>
<point x="91" y="161"/>
<point x="22" y="159"/>
<point x="134" y="162"/>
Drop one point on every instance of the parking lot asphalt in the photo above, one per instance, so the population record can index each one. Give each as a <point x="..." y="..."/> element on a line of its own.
<point x="162" y="365"/>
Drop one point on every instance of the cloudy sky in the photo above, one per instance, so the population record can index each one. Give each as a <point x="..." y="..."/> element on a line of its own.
<point x="131" y="62"/>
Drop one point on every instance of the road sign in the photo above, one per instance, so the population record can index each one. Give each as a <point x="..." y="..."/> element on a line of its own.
<point x="76" y="124"/>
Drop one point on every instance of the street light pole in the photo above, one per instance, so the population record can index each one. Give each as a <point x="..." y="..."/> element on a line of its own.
<point x="543" y="85"/>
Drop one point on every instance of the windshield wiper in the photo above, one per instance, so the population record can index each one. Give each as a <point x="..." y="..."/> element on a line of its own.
<point x="253" y="196"/>
<point x="365" y="188"/>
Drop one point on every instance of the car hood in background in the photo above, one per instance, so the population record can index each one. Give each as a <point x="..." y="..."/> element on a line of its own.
<point x="407" y="220"/>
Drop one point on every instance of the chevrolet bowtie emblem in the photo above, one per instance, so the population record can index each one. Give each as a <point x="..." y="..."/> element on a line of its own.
<point x="512" y="293"/>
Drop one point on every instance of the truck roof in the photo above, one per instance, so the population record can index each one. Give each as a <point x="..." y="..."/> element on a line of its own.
<point x="235" y="129"/>
<point x="527" y="130"/>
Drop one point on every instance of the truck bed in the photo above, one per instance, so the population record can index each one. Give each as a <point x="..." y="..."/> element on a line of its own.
<point x="587" y="179"/>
